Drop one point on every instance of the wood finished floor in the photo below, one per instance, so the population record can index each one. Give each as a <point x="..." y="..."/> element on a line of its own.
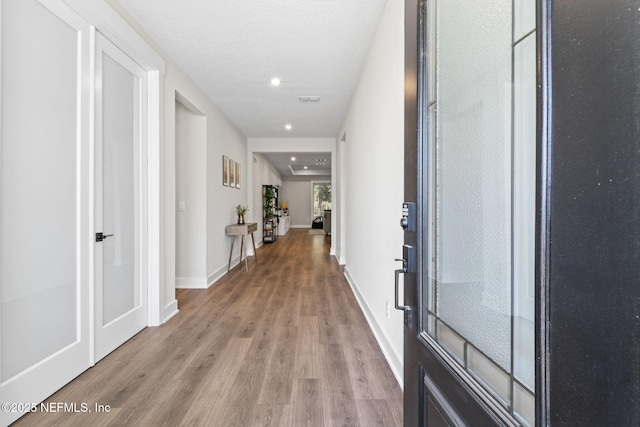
<point x="283" y="345"/>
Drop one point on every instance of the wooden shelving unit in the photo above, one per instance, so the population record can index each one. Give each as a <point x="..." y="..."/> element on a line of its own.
<point x="270" y="218"/>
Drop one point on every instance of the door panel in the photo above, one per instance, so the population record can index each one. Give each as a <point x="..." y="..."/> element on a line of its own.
<point x="44" y="275"/>
<point x="474" y="184"/>
<point x="592" y="215"/>
<point x="120" y="304"/>
<point x="119" y="149"/>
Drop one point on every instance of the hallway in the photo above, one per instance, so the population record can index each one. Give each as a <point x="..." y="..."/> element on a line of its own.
<point x="283" y="345"/>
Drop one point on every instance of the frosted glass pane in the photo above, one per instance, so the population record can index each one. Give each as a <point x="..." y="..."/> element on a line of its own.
<point x="452" y="341"/>
<point x="473" y="161"/>
<point x="38" y="186"/>
<point x="524" y="405"/>
<point x="489" y="373"/>
<point x="524" y="18"/>
<point x="430" y="184"/>
<point x="431" y="325"/>
<point x="120" y="98"/>
<point x="431" y="51"/>
<point x="524" y="205"/>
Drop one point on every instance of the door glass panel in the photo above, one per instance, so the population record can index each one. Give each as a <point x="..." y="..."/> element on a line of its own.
<point x="38" y="187"/>
<point x="524" y="204"/>
<point x="524" y="404"/>
<point x="479" y="206"/>
<point x="524" y="18"/>
<point x="119" y="159"/>
<point x="473" y="163"/>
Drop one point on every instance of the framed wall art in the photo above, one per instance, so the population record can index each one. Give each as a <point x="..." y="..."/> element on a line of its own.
<point x="225" y="170"/>
<point x="232" y="173"/>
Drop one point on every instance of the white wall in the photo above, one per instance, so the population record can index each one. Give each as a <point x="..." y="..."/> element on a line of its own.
<point x="299" y="196"/>
<point x="191" y="178"/>
<point x="373" y="181"/>
<point x="223" y="138"/>
<point x="340" y="209"/>
<point x="263" y="173"/>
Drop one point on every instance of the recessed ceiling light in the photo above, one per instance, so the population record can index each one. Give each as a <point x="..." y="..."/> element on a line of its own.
<point x="287" y="127"/>
<point x="293" y="159"/>
<point x="305" y="167"/>
<point x="275" y="81"/>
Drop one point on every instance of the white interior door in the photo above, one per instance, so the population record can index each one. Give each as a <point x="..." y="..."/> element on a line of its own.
<point x="44" y="202"/>
<point x="120" y="279"/>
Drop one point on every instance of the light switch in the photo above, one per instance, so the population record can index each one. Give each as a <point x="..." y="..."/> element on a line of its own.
<point x="181" y="206"/>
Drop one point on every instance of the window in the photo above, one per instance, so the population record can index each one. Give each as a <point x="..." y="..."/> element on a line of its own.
<point x="321" y="198"/>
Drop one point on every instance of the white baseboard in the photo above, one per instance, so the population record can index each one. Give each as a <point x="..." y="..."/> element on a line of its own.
<point x="191" y="283"/>
<point x="171" y="310"/>
<point x="393" y="360"/>
<point x="250" y="251"/>
<point x="220" y="272"/>
<point x="210" y="280"/>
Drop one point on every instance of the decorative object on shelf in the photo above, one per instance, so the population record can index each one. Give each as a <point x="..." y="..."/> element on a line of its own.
<point x="225" y="171"/>
<point x="241" y="210"/>
<point x="285" y="208"/>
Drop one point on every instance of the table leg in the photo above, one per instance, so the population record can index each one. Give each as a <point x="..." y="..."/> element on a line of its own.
<point x="246" y="263"/>
<point x="231" y="253"/>
<point x="253" y="240"/>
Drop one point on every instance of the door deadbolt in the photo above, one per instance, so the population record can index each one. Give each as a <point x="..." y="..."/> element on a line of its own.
<point x="408" y="220"/>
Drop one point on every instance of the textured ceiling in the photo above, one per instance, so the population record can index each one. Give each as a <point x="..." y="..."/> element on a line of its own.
<point x="232" y="49"/>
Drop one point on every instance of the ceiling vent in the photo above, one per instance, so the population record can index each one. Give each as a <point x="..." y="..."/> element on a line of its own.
<point x="309" y="98"/>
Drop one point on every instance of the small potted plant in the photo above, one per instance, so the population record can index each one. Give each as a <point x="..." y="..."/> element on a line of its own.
<point x="241" y="210"/>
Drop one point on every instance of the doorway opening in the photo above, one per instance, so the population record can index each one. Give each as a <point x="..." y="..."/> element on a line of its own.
<point x="191" y="195"/>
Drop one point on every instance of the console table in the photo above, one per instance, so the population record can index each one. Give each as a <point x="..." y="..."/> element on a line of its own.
<point x="242" y="230"/>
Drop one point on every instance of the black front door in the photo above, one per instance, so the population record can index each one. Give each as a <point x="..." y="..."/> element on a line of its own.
<point x="522" y="228"/>
<point x="471" y="144"/>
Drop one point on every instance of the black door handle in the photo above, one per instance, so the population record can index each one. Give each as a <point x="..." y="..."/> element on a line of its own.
<point x="100" y="237"/>
<point x="398" y="272"/>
